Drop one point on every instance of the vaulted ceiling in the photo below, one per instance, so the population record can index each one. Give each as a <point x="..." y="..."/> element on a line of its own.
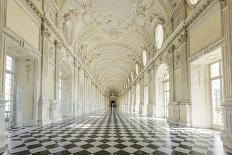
<point x="110" y="35"/>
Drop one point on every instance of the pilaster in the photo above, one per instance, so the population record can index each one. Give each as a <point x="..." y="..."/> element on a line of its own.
<point x="134" y="104"/>
<point x="44" y="104"/>
<point x="185" y="107"/>
<point x="150" y="104"/>
<point x="80" y="98"/>
<point x="3" y="132"/>
<point x="55" y="105"/>
<point x="226" y="6"/>
<point x="173" y="107"/>
<point x="131" y="100"/>
<point x="141" y="104"/>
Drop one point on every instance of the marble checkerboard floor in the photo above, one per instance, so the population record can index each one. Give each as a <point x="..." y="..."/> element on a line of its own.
<point x="114" y="132"/>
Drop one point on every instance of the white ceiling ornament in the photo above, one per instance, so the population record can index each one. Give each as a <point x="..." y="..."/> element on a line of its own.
<point x="110" y="35"/>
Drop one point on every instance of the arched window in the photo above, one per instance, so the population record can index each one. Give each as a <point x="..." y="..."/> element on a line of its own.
<point x="159" y="35"/>
<point x="144" y="57"/>
<point x="65" y="88"/>
<point x="132" y="76"/>
<point x="69" y="31"/>
<point x="166" y="92"/>
<point x="193" y="2"/>
<point x="162" y="91"/>
<point x="137" y="69"/>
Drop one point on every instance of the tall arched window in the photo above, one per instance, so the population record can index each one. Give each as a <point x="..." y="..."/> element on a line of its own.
<point x="193" y="2"/>
<point x="166" y="92"/>
<point x="144" y="57"/>
<point x="162" y="91"/>
<point x="132" y="76"/>
<point x="69" y="31"/>
<point x="65" y="88"/>
<point x="137" y="68"/>
<point x="159" y="36"/>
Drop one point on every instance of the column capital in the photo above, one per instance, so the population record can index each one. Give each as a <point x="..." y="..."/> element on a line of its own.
<point x="58" y="44"/>
<point x="45" y="31"/>
<point x="141" y="78"/>
<point x="223" y="3"/>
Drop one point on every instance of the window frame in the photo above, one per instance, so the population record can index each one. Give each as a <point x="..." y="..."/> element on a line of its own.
<point x="166" y="81"/>
<point x="220" y="77"/>
<point x="13" y="89"/>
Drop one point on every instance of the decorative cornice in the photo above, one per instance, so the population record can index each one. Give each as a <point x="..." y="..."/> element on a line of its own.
<point x="45" y="20"/>
<point x="182" y="27"/>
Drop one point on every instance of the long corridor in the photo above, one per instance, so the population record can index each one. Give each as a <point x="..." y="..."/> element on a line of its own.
<point x="113" y="132"/>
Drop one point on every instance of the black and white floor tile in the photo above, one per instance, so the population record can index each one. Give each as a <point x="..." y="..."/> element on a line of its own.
<point x="113" y="132"/>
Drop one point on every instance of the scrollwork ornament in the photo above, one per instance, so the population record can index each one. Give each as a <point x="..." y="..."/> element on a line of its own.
<point x="58" y="45"/>
<point x="223" y="3"/>
<point x="45" y="31"/>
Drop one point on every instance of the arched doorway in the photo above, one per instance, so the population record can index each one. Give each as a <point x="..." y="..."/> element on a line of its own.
<point x="65" y="89"/>
<point x="162" y="91"/>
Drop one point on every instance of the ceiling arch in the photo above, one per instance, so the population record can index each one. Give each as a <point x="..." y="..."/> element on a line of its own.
<point x="111" y="35"/>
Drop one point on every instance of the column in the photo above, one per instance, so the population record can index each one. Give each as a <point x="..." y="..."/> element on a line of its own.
<point x="141" y="104"/>
<point x="43" y="105"/>
<point x="128" y="101"/>
<point x="84" y="87"/>
<point x="95" y="97"/>
<point x="3" y="133"/>
<point x="185" y="107"/>
<point x="150" y="105"/>
<point x="80" y="98"/>
<point x="134" y="104"/>
<point x="173" y="107"/>
<point x="226" y="6"/>
<point x="76" y="88"/>
<point x="131" y="99"/>
<point x="91" y="98"/>
<point x="85" y="95"/>
<point x="92" y="95"/>
<point x="56" y="102"/>
<point x="125" y="102"/>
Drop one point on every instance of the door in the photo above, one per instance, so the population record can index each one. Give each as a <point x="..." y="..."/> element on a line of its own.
<point x="10" y="91"/>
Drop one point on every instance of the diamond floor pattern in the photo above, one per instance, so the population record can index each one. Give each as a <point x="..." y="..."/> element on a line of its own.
<point x="114" y="132"/>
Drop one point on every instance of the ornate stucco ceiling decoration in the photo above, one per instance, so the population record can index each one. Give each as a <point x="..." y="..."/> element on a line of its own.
<point x="111" y="35"/>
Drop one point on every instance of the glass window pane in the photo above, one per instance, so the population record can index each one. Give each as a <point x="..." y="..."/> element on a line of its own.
<point x="144" y="57"/>
<point x="215" y="70"/>
<point x="159" y="36"/>
<point x="216" y="101"/>
<point x="9" y="86"/>
<point x="193" y="1"/>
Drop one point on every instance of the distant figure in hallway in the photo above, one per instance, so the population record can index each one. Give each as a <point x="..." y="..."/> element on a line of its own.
<point x="112" y="105"/>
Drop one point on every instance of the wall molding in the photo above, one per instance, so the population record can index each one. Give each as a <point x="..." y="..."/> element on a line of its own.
<point x="182" y="27"/>
<point x="45" y="19"/>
